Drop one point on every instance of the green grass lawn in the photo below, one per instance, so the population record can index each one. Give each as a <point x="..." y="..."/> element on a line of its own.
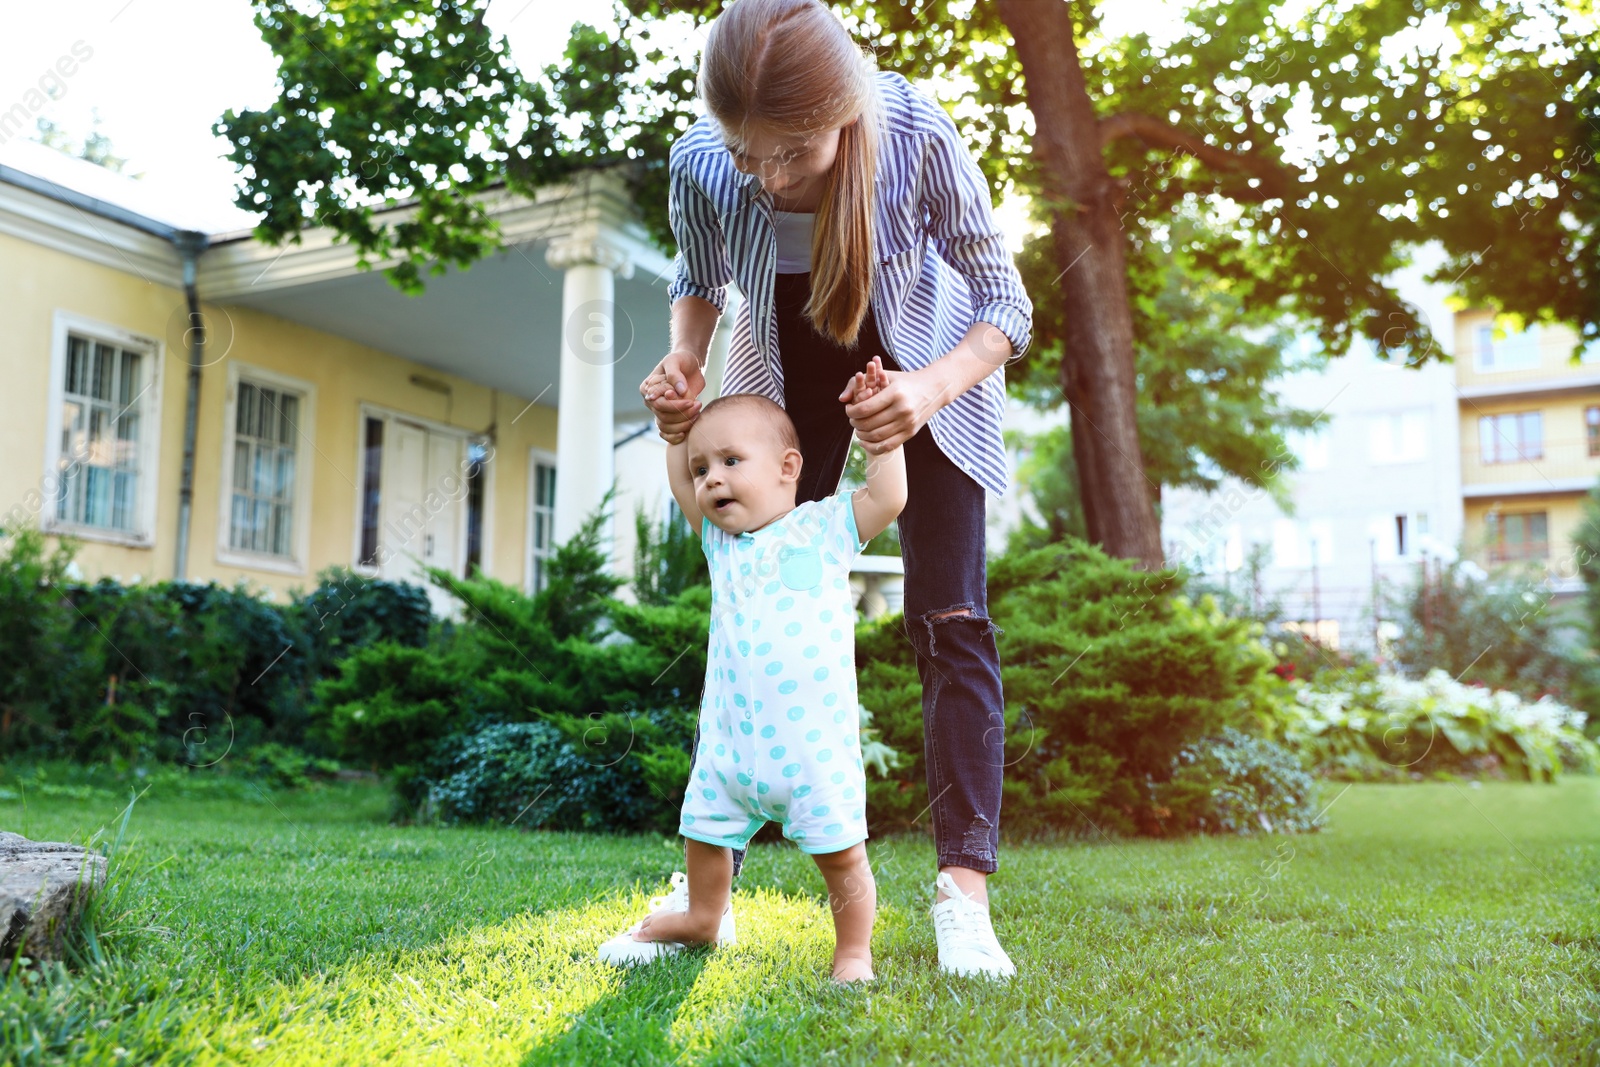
<point x="1427" y="924"/>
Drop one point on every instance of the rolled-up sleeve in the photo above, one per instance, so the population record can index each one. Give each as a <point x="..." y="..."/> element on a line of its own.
<point x="701" y="267"/>
<point x="962" y="225"/>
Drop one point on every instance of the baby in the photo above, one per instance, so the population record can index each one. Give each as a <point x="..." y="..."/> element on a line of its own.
<point x="779" y="728"/>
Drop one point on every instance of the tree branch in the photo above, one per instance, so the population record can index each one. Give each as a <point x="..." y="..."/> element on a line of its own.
<point x="1154" y="132"/>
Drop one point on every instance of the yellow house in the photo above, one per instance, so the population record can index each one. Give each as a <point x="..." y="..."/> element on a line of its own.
<point x="1530" y="441"/>
<point x="200" y="405"/>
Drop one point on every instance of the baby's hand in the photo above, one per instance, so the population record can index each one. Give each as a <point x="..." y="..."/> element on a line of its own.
<point x="865" y="384"/>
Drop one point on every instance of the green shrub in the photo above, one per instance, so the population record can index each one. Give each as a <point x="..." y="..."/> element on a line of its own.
<point x="1393" y="728"/>
<point x="1109" y="672"/>
<point x="558" y="774"/>
<point x="1237" y="784"/>
<point x="349" y="611"/>
<point x="181" y="672"/>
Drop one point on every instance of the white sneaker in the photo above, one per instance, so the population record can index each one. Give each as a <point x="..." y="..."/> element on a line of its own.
<point x="623" y="951"/>
<point x="966" y="938"/>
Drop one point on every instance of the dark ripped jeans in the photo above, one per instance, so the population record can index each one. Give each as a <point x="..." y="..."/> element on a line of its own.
<point x="942" y="542"/>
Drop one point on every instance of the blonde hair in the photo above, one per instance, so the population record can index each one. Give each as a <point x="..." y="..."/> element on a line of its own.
<point x="782" y="425"/>
<point x="789" y="67"/>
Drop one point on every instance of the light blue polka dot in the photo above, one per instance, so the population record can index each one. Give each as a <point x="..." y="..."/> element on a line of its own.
<point x="744" y="648"/>
<point x="732" y="676"/>
<point x="738" y="698"/>
<point x="719" y="818"/>
<point x="763" y="788"/>
<point x="774" y="667"/>
<point x="779" y="807"/>
<point x="799" y="835"/>
<point x="704" y="775"/>
<point x="744" y="779"/>
<point x="746" y="728"/>
<point x="709" y="794"/>
<point x="763" y="648"/>
<point x="744" y="568"/>
<point x="793" y="629"/>
<point x="838" y="583"/>
<point x="738" y="617"/>
<point x="820" y="809"/>
<point x="837" y="635"/>
<point x="826" y="616"/>
<point x="791" y="770"/>
<point x="849" y="790"/>
<point x="813" y="735"/>
<point x="839" y="716"/>
<point x="756" y="625"/>
<point x="736" y="756"/>
<point x="769" y="731"/>
<point x="788" y="686"/>
<point x="833" y="828"/>
<point x="796" y="713"/>
<point x="831" y="699"/>
<point x="844" y="661"/>
<point x="811" y="651"/>
<point x="721" y="750"/>
<point x="856" y="814"/>
<point x="801" y="791"/>
<point x="820" y="673"/>
<point x="784" y="603"/>
<point x="838" y="776"/>
<point x="689" y="819"/>
<point x="722" y="776"/>
<point x="772" y="587"/>
<point x="825" y="755"/>
<point x="778" y="751"/>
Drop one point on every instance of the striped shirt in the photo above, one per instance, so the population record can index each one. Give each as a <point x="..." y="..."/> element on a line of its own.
<point x="942" y="263"/>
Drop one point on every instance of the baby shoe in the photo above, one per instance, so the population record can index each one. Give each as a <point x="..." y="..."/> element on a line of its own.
<point x="623" y="951"/>
<point x="961" y="926"/>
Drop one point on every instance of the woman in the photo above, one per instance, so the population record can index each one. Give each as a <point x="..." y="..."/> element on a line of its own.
<point x="844" y="204"/>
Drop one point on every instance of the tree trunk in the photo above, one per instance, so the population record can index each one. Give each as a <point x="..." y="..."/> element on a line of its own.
<point x="1097" y="366"/>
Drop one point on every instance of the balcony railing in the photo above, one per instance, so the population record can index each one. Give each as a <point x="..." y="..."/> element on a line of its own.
<point x="1555" y="458"/>
<point x="1514" y="551"/>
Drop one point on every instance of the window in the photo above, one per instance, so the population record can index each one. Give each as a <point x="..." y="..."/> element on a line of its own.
<point x="1518" y="351"/>
<point x="477" y="463"/>
<point x="1401" y="541"/>
<point x="1514" y="437"/>
<point x="371" y="471"/>
<point x="1591" y="425"/>
<point x="1398" y="437"/>
<point x="1302" y="543"/>
<point x="1311" y="446"/>
<point x="265" y="521"/>
<point x="266" y="423"/>
<point x="1518" y="536"/>
<point x="102" y="432"/>
<point x="541" y="518"/>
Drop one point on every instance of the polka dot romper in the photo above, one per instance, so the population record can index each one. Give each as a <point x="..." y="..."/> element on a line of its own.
<point x="779" y="727"/>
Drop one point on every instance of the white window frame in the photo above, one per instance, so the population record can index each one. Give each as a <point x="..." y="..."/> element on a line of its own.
<point x="298" y="563"/>
<point x="536" y="456"/>
<point x="1513" y="357"/>
<point x="154" y="350"/>
<point x="366" y="410"/>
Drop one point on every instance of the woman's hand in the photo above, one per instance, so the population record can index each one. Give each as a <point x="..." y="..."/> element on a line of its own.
<point x="672" y="393"/>
<point x="893" y="414"/>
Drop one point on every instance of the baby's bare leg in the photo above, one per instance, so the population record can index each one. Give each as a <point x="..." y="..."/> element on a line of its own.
<point x="710" y="869"/>
<point x="853" y="898"/>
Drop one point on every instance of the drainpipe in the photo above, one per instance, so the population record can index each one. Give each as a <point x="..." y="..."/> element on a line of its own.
<point x="190" y="244"/>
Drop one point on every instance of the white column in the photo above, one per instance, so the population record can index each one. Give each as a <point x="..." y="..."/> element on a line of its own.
<point x="584" y="416"/>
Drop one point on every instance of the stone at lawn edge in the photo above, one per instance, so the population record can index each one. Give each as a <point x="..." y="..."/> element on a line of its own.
<point x="43" y="884"/>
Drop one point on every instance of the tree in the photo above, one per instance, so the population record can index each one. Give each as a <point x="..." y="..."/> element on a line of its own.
<point x="1321" y="145"/>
